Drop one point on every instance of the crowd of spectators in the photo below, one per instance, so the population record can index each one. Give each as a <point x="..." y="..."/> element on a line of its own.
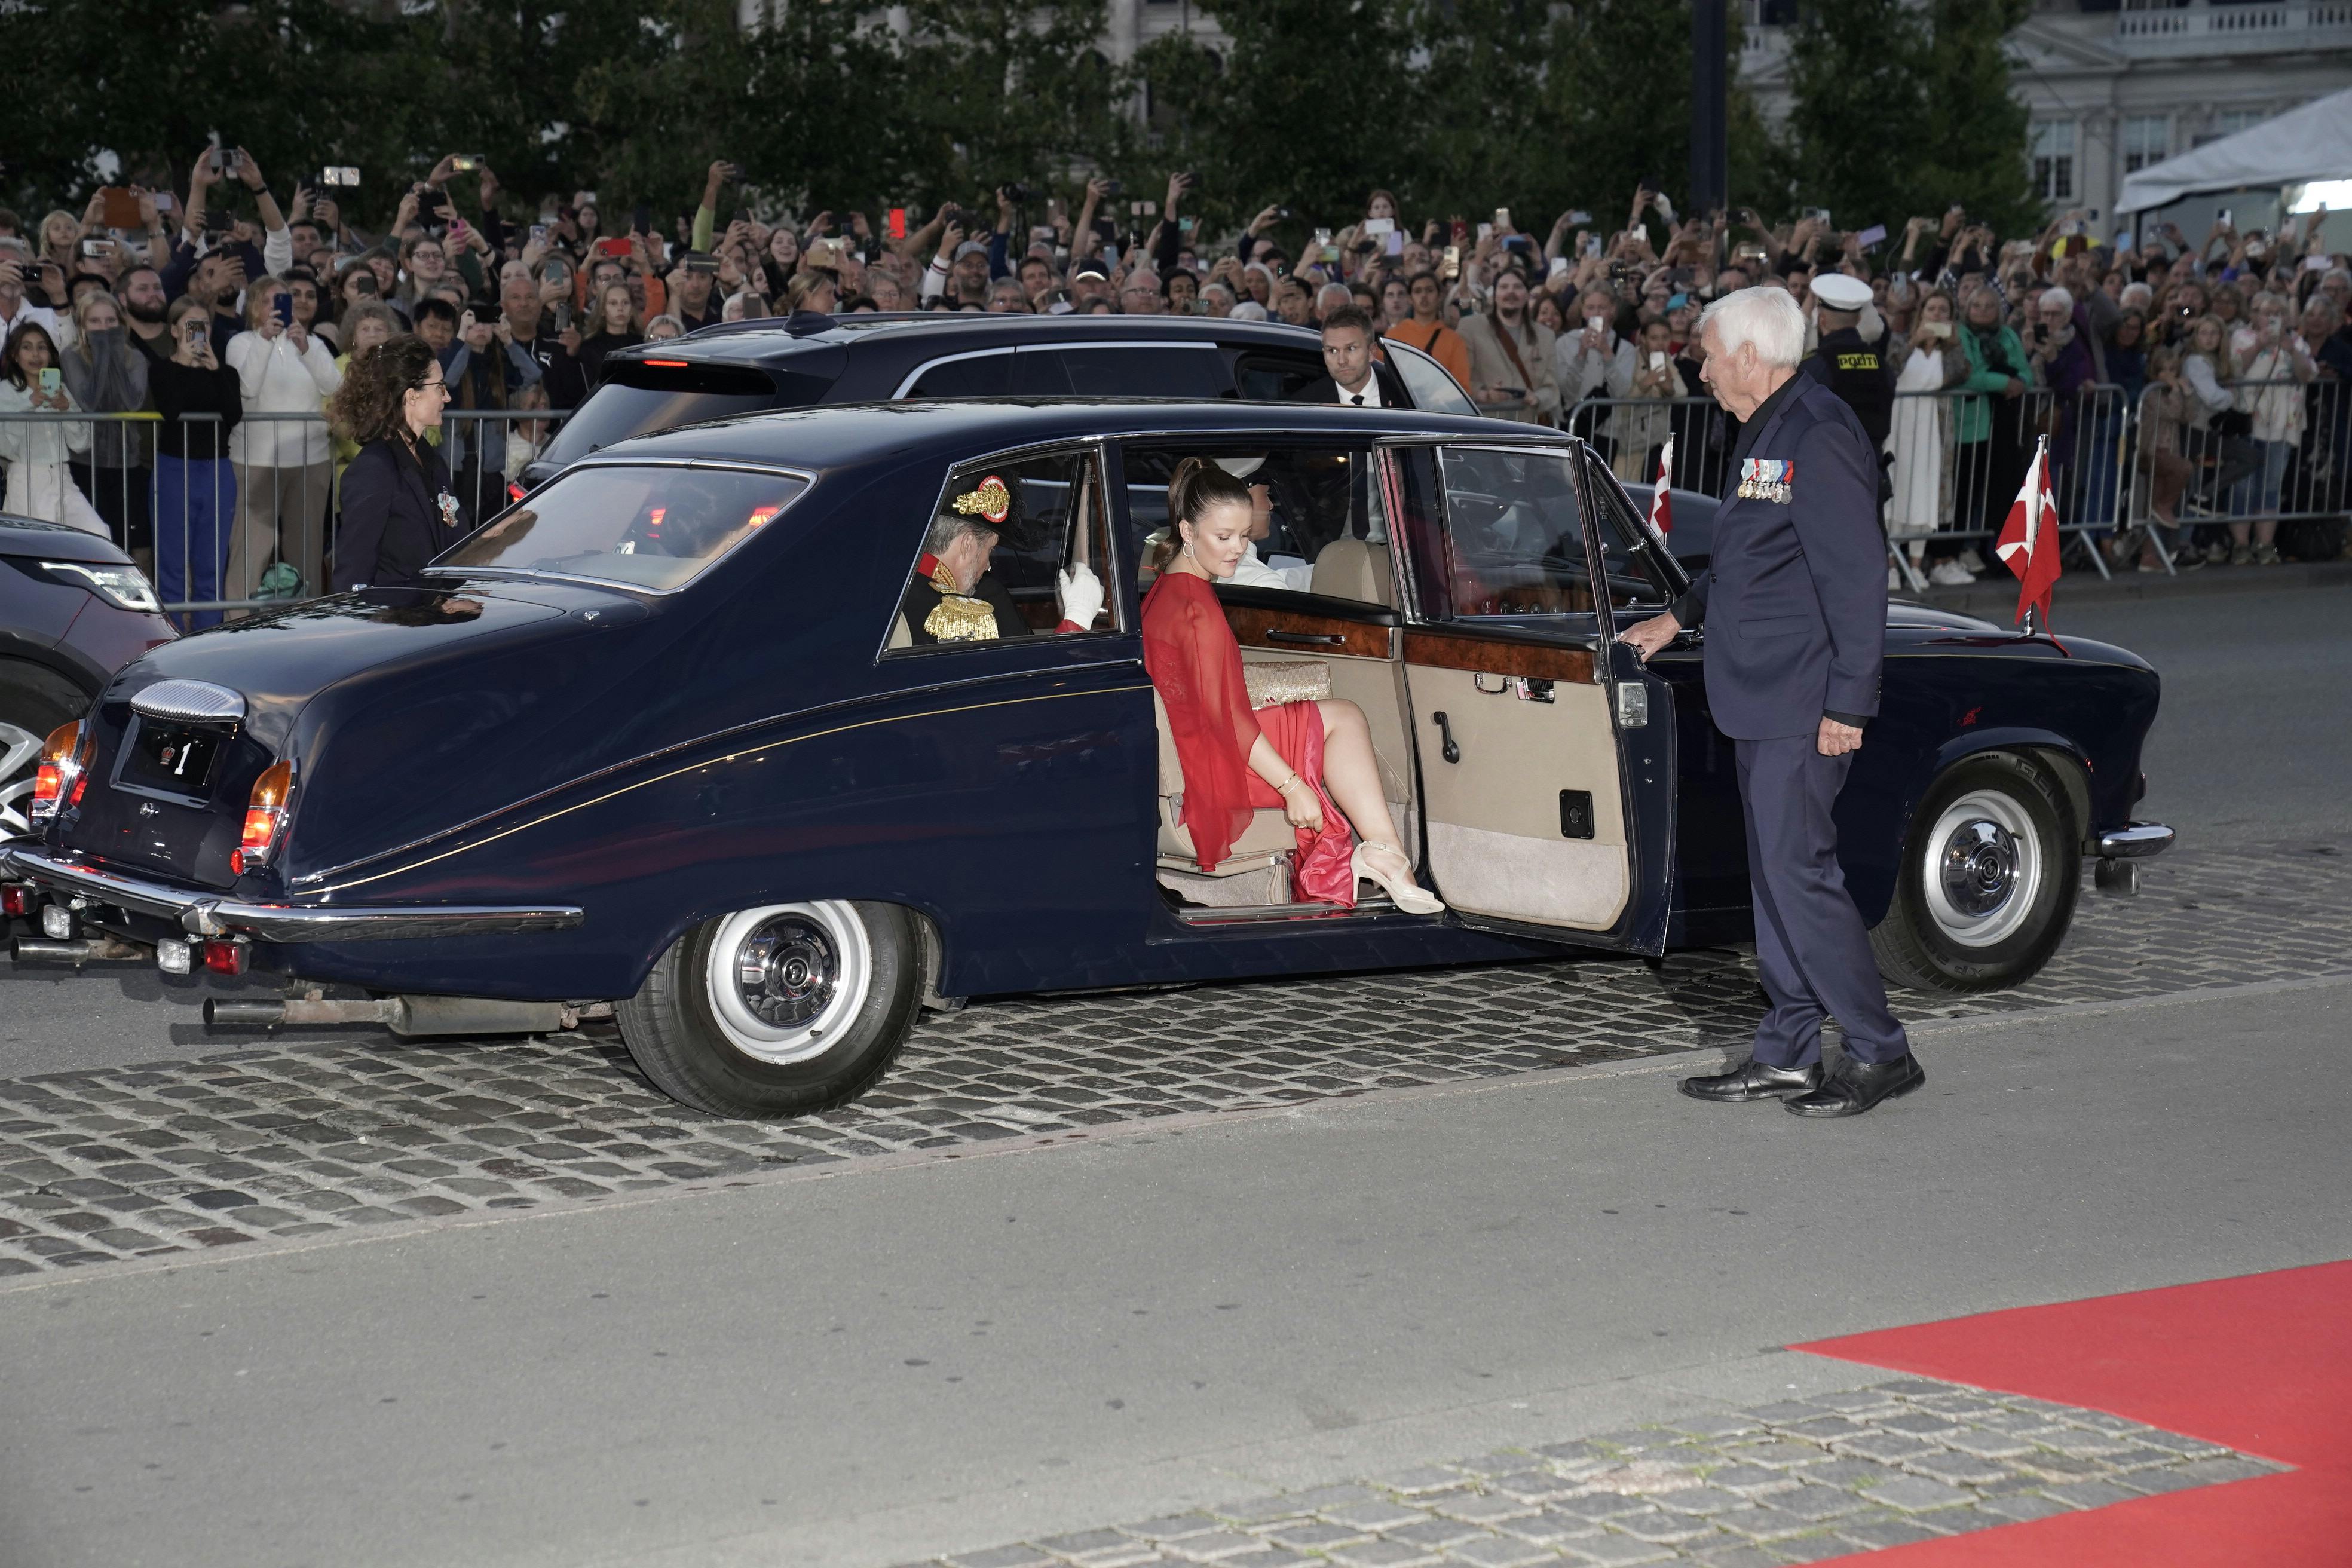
<point x="247" y="317"/>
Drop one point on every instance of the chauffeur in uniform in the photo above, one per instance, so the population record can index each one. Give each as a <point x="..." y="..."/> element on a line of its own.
<point x="1796" y="599"/>
<point x="955" y="598"/>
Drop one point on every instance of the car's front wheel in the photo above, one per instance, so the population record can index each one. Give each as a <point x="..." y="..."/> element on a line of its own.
<point x="777" y="1011"/>
<point x="1990" y="872"/>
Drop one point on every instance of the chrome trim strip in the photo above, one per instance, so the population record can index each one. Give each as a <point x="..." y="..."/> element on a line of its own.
<point x="1196" y="917"/>
<point x="205" y="915"/>
<point x="2136" y="842"/>
<point x="197" y="702"/>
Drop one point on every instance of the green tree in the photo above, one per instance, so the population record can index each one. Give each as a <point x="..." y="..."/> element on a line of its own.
<point x="997" y="92"/>
<point x="132" y="91"/>
<point x="1857" y="121"/>
<point x="1900" y="110"/>
<point x="1975" y="144"/>
<point x="1318" y="103"/>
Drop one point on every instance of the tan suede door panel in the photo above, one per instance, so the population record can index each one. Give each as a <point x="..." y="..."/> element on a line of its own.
<point x="1495" y="841"/>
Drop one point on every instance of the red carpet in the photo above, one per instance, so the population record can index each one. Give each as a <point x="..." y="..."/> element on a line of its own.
<point x="2262" y="1364"/>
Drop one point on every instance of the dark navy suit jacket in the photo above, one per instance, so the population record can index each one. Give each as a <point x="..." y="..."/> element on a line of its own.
<point x="1794" y="597"/>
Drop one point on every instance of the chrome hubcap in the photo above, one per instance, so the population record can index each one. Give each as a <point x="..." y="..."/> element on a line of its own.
<point x="1981" y="868"/>
<point x="786" y="980"/>
<point x="20" y="752"/>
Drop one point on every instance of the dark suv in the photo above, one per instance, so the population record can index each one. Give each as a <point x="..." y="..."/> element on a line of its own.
<point x="745" y="366"/>
<point x="73" y="610"/>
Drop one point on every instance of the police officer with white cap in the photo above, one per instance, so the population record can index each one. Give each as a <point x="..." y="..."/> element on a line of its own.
<point x="1848" y="364"/>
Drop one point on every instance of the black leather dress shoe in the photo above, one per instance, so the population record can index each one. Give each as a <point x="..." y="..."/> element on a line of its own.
<point x="1855" y="1087"/>
<point x="1753" y="1080"/>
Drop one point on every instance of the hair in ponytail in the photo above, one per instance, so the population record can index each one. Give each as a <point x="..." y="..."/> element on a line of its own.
<point x="1199" y="484"/>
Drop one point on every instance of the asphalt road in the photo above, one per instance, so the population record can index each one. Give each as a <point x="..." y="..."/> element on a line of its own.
<point x="2250" y="744"/>
<point x="933" y="1355"/>
<point x="2250" y="747"/>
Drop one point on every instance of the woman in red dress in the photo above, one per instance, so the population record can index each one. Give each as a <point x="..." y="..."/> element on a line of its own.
<point x="1313" y="760"/>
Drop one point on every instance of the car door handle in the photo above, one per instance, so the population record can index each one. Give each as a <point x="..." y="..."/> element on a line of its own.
<point x="1451" y="752"/>
<point x="1309" y="639"/>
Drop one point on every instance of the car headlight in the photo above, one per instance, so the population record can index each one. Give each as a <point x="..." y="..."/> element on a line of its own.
<point x="124" y="587"/>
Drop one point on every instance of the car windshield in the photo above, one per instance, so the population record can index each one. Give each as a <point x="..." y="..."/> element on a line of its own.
<point x="650" y="527"/>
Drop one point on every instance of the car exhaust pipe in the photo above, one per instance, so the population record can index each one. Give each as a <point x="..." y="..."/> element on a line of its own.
<point x="77" y="951"/>
<point x="2117" y="879"/>
<point x="411" y="1017"/>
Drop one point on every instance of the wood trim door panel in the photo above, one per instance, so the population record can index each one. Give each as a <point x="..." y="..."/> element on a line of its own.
<point x="1487" y="655"/>
<point x="1309" y="635"/>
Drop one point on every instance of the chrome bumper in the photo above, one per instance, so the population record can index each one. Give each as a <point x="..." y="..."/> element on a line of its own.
<point x="205" y="914"/>
<point x="2136" y="842"/>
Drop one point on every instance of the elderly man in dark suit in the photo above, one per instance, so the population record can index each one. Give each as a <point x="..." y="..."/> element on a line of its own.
<point x="1795" y="603"/>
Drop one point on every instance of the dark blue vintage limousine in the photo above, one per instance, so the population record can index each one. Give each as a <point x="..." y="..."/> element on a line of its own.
<point x="657" y="743"/>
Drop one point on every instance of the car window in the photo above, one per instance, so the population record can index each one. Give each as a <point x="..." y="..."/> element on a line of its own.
<point x="1629" y="550"/>
<point x="1045" y="516"/>
<point x="1307" y="497"/>
<point x="1113" y="369"/>
<point x="1268" y="376"/>
<point x="1433" y="387"/>
<point x="974" y="376"/>
<point x="634" y="527"/>
<point x="1495" y="532"/>
<point x="658" y="398"/>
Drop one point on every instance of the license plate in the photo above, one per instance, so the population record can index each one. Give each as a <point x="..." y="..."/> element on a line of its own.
<point x="173" y="759"/>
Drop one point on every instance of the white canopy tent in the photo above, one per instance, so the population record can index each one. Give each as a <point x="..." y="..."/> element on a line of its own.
<point x="2314" y="142"/>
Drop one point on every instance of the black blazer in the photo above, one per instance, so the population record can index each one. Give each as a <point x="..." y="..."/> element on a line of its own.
<point x="392" y="522"/>
<point x="1323" y="389"/>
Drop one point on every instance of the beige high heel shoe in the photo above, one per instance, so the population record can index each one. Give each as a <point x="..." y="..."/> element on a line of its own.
<point x="1411" y="899"/>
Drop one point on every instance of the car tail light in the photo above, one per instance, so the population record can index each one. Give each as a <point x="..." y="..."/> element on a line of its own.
<point x="226" y="956"/>
<point x="63" y="771"/>
<point x="17" y="900"/>
<point x="265" y="821"/>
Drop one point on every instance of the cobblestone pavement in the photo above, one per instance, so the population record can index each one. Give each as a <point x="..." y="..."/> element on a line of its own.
<point x="302" y="1137"/>
<point x="1798" y="1481"/>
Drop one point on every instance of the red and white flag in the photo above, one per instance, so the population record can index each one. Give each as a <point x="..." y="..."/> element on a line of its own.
<point x="1662" y="506"/>
<point x="2029" y="544"/>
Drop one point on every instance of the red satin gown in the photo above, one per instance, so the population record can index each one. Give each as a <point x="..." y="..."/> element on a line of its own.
<point x="1196" y="666"/>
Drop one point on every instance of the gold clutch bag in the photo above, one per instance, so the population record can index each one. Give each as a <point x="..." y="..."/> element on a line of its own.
<point x="1271" y="685"/>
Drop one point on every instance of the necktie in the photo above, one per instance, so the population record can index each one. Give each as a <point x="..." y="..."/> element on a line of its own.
<point x="1357" y="399"/>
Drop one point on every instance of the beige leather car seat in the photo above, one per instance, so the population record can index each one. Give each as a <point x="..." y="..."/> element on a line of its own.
<point x="1354" y="569"/>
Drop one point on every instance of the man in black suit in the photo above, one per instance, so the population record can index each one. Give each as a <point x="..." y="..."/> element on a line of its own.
<point x="1796" y="605"/>
<point x="1356" y="379"/>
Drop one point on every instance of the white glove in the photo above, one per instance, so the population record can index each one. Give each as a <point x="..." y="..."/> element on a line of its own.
<point x="1081" y="595"/>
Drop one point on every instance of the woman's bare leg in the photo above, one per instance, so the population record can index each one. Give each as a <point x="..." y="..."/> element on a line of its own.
<point x="1351" y="777"/>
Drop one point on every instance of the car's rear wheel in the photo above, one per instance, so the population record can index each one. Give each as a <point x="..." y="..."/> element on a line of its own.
<point x="32" y="702"/>
<point x="1990" y="875"/>
<point x="777" y="1011"/>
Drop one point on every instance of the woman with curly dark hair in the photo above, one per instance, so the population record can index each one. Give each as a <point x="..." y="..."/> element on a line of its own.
<point x="398" y="510"/>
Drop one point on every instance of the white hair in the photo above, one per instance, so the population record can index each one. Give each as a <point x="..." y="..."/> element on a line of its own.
<point x="2061" y="296"/>
<point x="2135" y="294"/>
<point x="1249" y="310"/>
<point x="1767" y="318"/>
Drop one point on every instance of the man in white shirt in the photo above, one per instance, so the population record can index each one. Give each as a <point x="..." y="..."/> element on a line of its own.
<point x="1356" y="379"/>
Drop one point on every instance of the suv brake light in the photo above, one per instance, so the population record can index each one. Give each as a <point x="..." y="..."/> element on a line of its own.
<point x="63" y="773"/>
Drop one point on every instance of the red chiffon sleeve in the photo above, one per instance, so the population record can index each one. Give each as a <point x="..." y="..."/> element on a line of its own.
<point x="1196" y="666"/>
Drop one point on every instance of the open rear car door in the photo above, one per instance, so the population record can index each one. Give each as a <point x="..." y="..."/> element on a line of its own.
<point x="1546" y="750"/>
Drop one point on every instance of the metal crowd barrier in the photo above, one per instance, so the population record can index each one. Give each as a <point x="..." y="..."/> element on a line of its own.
<point x="1955" y="458"/>
<point x="245" y="519"/>
<point x="2211" y="478"/>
